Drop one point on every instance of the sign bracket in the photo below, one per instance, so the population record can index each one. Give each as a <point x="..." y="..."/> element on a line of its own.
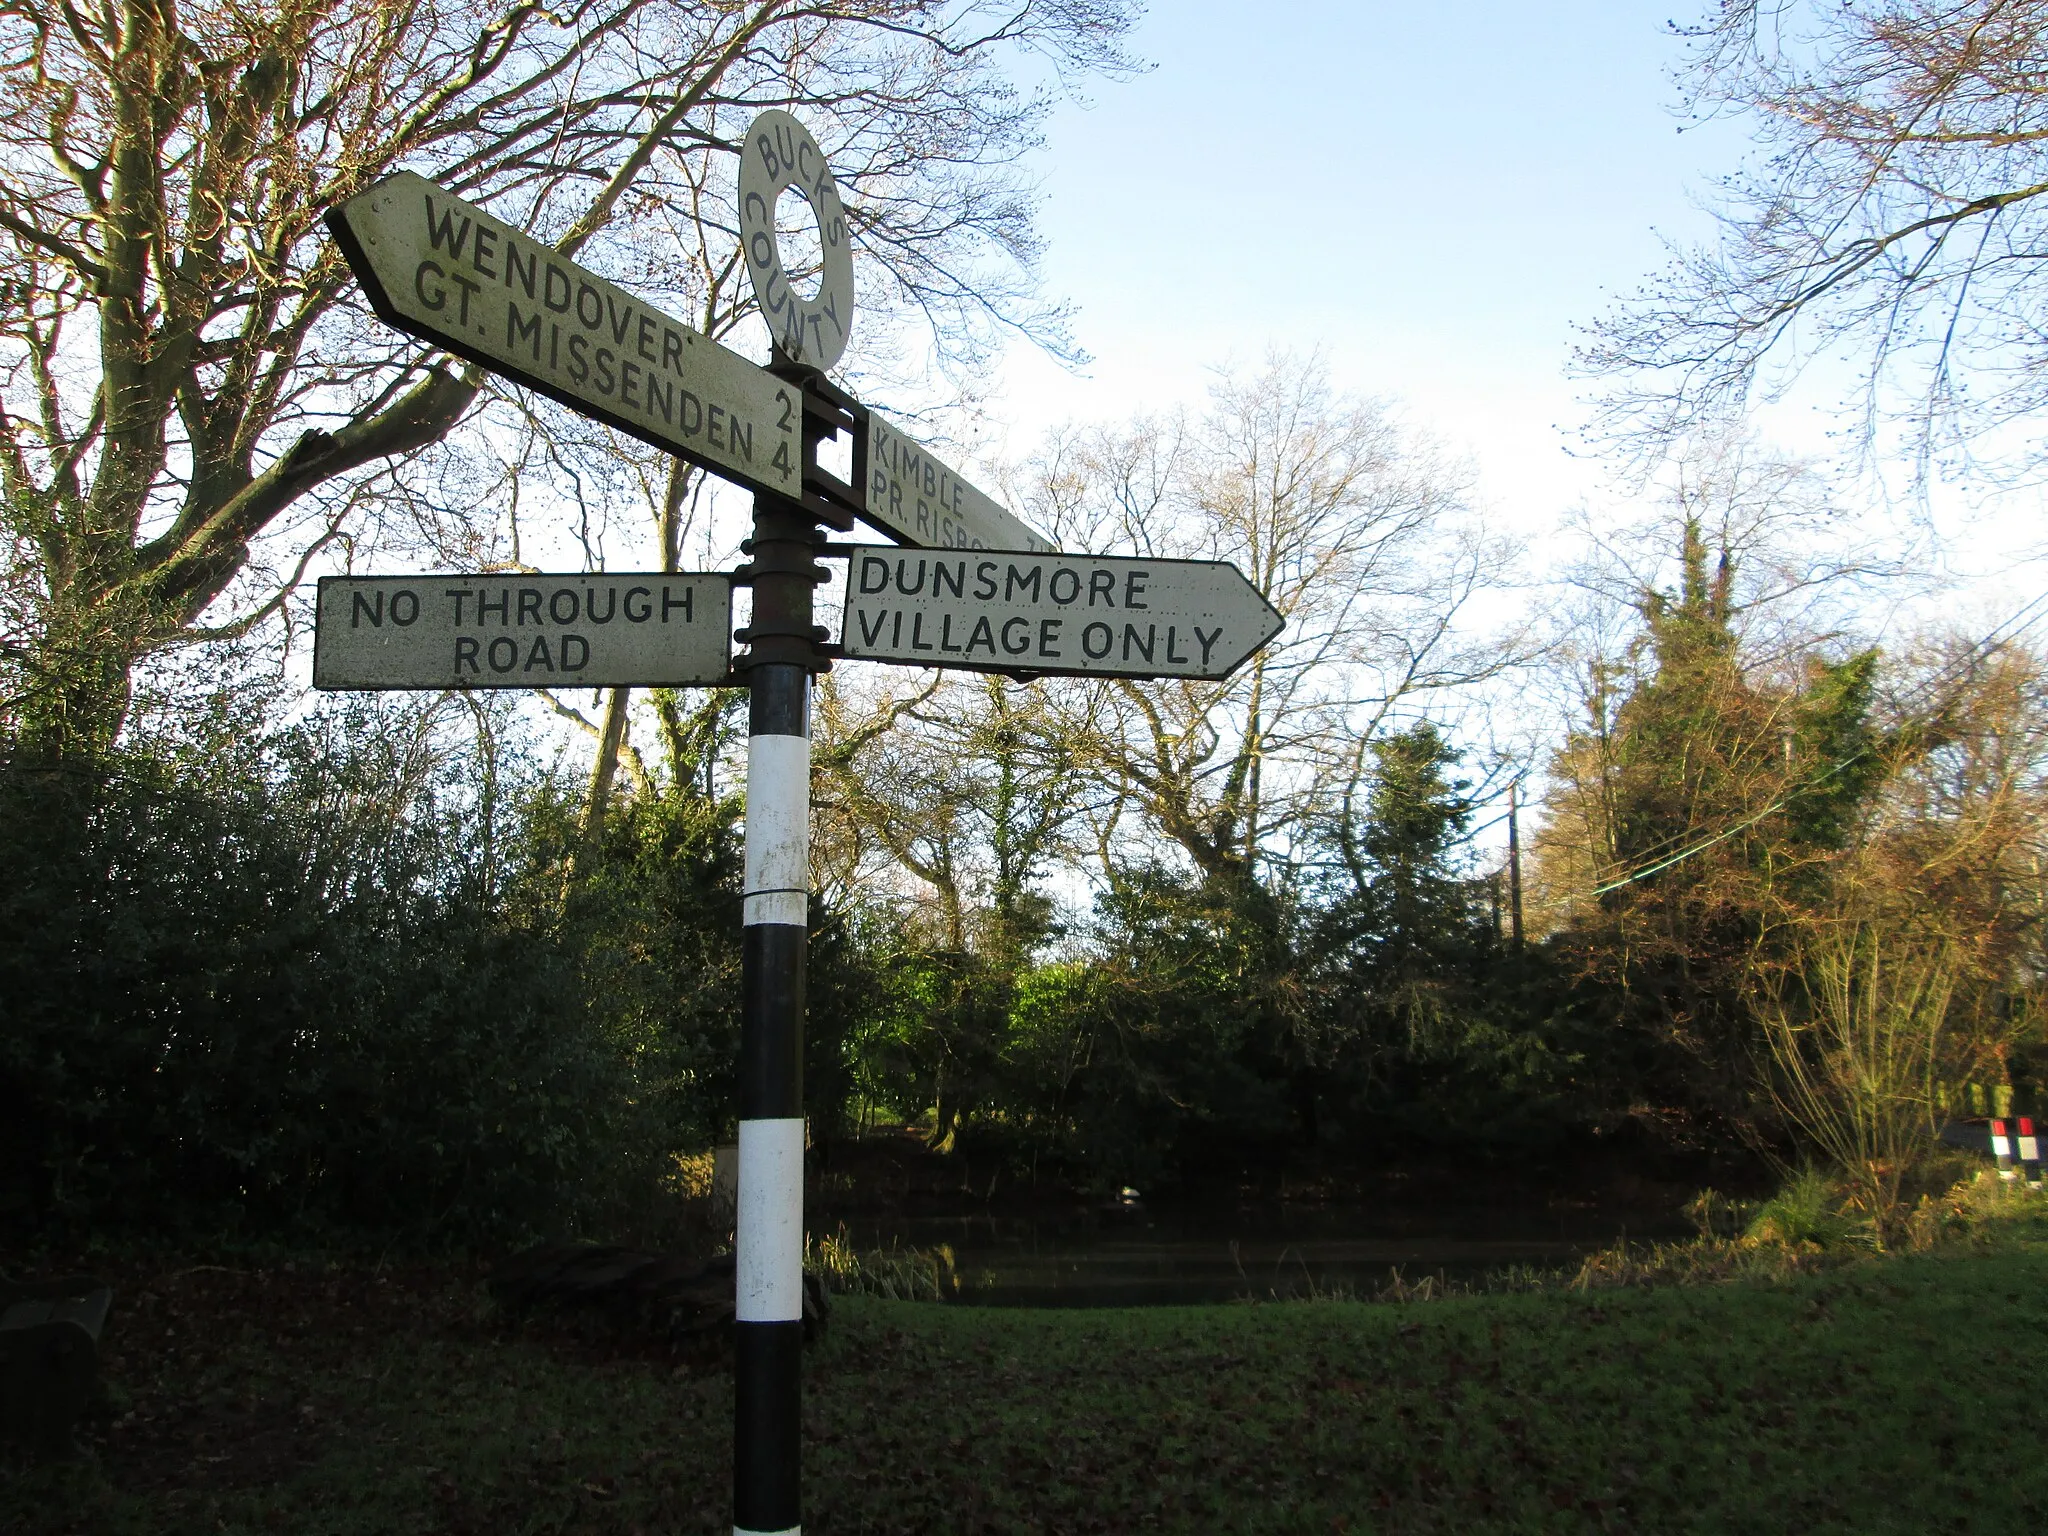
<point x="827" y="411"/>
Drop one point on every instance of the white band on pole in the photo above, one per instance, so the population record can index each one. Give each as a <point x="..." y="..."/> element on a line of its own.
<point x="769" y="1237"/>
<point x="778" y="872"/>
<point x="789" y="907"/>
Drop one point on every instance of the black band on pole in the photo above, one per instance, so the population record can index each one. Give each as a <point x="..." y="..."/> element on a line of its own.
<point x="771" y="1021"/>
<point x="778" y="706"/>
<point x="766" y="1465"/>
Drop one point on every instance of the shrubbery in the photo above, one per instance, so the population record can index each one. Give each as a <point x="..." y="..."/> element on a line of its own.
<point x="283" y="987"/>
<point x="1366" y="1010"/>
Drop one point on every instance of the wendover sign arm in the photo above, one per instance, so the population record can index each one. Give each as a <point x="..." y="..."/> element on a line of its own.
<point x="443" y="270"/>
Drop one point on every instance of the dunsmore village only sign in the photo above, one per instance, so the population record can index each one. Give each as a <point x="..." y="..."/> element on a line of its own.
<point x="971" y="587"/>
<point x="1080" y="615"/>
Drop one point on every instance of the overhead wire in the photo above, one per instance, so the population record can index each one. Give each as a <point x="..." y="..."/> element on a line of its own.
<point x="1978" y="650"/>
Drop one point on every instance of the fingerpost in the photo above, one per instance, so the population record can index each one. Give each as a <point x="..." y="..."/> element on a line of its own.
<point x="448" y="272"/>
<point x="769" y="1230"/>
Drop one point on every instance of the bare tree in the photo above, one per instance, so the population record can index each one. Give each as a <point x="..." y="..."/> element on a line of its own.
<point x="1356" y="530"/>
<point x="1895" y="216"/>
<point x="1959" y="834"/>
<point x="962" y="783"/>
<point x="1921" y="966"/>
<point x="1856" y="1044"/>
<point x="186" y="375"/>
<point x="884" y="788"/>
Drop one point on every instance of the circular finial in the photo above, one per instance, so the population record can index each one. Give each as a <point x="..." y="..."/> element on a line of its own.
<point x="779" y="154"/>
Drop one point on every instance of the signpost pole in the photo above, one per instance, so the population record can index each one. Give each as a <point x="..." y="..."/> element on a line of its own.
<point x="768" y="1240"/>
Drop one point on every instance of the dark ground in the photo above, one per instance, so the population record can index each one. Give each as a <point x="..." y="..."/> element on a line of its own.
<point x="358" y="1399"/>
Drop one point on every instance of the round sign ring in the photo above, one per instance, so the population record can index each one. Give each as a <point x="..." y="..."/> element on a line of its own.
<point x="779" y="154"/>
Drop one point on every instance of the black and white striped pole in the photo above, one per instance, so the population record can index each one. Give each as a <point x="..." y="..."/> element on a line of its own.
<point x="768" y="1303"/>
<point x="768" y="1241"/>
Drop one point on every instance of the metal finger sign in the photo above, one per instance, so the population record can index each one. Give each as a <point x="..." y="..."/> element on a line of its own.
<point x="442" y="269"/>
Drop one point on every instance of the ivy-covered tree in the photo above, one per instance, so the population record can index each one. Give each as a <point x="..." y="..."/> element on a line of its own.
<point x="1693" y="815"/>
<point x="193" y="404"/>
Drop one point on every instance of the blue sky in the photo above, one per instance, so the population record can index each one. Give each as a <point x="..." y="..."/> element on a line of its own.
<point x="1433" y="195"/>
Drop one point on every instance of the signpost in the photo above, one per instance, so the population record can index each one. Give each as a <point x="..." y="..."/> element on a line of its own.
<point x="604" y="630"/>
<point x="1075" y="615"/>
<point x="977" y="590"/>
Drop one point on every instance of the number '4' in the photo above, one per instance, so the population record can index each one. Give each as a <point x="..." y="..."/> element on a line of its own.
<point x="781" y="459"/>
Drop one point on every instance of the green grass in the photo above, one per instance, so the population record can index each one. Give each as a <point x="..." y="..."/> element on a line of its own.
<point x="1884" y="1394"/>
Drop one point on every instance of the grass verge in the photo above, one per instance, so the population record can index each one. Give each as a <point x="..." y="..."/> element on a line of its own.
<point x="1874" y="1395"/>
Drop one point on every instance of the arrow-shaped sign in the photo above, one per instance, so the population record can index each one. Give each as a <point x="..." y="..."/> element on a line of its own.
<point x="445" y="271"/>
<point x="1069" y="615"/>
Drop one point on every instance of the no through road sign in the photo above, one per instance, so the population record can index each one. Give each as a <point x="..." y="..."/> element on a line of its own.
<point x="596" y="631"/>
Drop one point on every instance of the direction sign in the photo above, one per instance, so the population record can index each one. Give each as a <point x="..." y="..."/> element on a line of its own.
<point x="603" y="630"/>
<point x="914" y="495"/>
<point x="445" y="271"/>
<point x="1071" y="615"/>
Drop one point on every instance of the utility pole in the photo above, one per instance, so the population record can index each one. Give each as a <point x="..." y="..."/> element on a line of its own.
<point x="1515" y="863"/>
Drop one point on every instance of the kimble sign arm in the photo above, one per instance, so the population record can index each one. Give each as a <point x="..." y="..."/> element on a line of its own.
<point x="913" y="495"/>
<point x="439" y="268"/>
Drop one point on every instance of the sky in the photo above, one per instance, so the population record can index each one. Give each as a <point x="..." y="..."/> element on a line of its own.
<point x="1431" y="196"/>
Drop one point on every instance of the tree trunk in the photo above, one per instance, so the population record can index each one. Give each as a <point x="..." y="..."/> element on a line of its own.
<point x="602" y="774"/>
